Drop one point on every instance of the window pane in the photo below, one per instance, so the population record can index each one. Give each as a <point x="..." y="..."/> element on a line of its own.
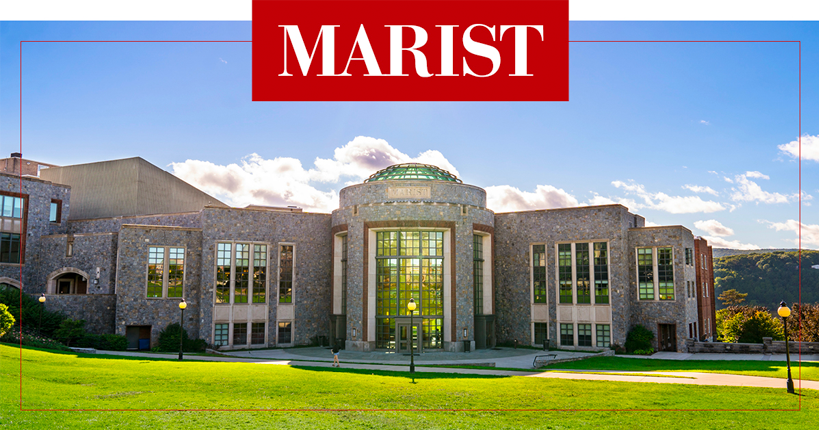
<point x="645" y="273"/>
<point x="564" y="259"/>
<point x="601" y="273"/>
<point x="539" y="273"/>
<point x="665" y="273"/>
<point x="541" y="334"/>
<point x="582" y="269"/>
<point x="259" y="273"/>
<point x="344" y="275"/>
<point x="584" y="335"/>
<point x="477" y="273"/>
<point x="9" y="248"/>
<point x="242" y="276"/>
<point x="156" y="266"/>
<point x="285" y="333"/>
<point x="220" y="337"/>
<point x="603" y="335"/>
<point x="257" y="334"/>
<point x="239" y="334"/>
<point x="176" y="271"/>
<point x="286" y="274"/>
<point x="223" y="256"/>
<point x="52" y="214"/>
<point x="567" y="334"/>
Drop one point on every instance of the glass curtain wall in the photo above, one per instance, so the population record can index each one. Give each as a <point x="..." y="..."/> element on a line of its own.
<point x="409" y="264"/>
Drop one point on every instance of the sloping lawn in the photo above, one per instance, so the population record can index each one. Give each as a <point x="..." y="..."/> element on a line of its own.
<point x="771" y="369"/>
<point x="69" y="381"/>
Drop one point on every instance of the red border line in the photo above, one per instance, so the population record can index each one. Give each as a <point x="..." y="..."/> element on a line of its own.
<point x="799" y="247"/>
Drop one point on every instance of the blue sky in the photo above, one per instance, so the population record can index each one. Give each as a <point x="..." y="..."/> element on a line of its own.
<point x="644" y="121"/>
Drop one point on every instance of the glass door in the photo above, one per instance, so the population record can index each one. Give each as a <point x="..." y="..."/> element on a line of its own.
<point x="403" y="331"/>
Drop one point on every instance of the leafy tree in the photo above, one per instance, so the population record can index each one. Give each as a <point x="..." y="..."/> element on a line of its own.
<point x="6" y="320"/>
<point x="32" y="308"/>
<point x="70" y="330"/>
<point x="732" y="297"/>
<point x="803" y="324"/>
<point x="639" y="338"/>
<point x="749" y="326"/>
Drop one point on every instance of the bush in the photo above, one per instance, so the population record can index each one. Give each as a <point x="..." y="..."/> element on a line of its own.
<point x="32" y="309"/>
<point x="6" y="320"/>
<point x="639" y="339"/>
<point x="70" y="330"/>
<point x="745" y="328"/>
<point x="32" y="338"/>
<point x="108" y="342"/>
<point x="644" y="351"/>
<point x="169" y="340"/>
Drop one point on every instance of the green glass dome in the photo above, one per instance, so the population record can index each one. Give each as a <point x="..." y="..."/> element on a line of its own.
<point x="413" y="172"/>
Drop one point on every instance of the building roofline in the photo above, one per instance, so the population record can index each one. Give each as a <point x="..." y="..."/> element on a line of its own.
<point x="267" y="210"/>
<point x="35" y="179"/>
<point x="165" y="227"/>
<point x="659" y="227"/>
<point x="421" y="181"/>
<point x="565" y="209"/>
<point x="133" y="216"/>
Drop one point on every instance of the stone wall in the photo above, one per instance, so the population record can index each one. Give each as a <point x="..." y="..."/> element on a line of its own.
<point x="90" y="251"/>
<point x="106" y="225"/>
<point x="768" y="346"/>
<point x="97" y="310"/>
<point x="133" y="305"/>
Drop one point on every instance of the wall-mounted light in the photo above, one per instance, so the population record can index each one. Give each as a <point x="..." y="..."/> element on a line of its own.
<point x="466" y="332"/>
<point x="354" y="332"/>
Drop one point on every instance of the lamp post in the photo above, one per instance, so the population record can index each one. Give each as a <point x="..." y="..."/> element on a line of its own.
<point x="784" y="311"/>
<point x="42" y="300"/>
<point x="411" y="307"/>
<point x="182" y="306"/>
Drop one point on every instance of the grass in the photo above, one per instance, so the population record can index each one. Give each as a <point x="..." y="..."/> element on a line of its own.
<point x="77" y="381"/>
<point x="771" y="369"/>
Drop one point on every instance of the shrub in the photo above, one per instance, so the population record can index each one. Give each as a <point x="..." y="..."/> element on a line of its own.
<point x="108" y="342"/>
<point x="70" y="330"/>
<point x="32" y="338"/>
<point x="746" y="328"/>
<point x="648" y="351"/>
<point x="6" y="320"/>
<point x="639" y="339"/>
<point x="32" y="309"/>
<point x="169" y="340"/>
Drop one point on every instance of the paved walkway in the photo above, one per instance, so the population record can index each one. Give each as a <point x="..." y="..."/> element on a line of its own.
<point x="509" y="358"/>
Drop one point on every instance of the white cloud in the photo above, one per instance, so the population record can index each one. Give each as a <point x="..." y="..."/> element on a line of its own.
<point x="702" y="121"/>
<point x="714" y="228"/>
<point x="284" y="181"/>
<point x="600" y="200"/>
<point x="810" y="232"/>
<point x="671" y="204"/>
<point x="505" y="198"/>
<point x="810" y="148"/>
<point x="718" y="242"/>
<point x="756" y="174"/>
<point x="651" y="224"/>
<point x="727" y="179"/>
<point x="701" y="189"/>
<point x="220" y="59"/>
<point x="749" y="191"/>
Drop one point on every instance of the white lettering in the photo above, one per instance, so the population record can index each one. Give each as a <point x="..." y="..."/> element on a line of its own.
<point x="446" y="50"/>
<point x="397" y="48"/>
<point x="520" y="45"/>
<point x="481" y="50"/>
<point x="327" y="47"/>
<point x="367" y="54"/>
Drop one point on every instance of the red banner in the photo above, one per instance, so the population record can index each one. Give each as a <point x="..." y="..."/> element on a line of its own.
<point x="411" y="50"/>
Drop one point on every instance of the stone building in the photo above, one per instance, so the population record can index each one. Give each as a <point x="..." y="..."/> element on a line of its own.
<point x="102" y="247"/>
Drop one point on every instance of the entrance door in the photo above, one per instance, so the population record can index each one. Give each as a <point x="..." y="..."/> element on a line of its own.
<point x="403" y="330"/>
<point x="668" y="337"/>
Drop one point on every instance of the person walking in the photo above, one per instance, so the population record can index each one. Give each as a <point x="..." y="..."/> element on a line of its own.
<point x="335" y="356"/>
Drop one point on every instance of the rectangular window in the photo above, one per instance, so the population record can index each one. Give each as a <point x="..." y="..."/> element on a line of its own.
<point x="11" y="224"/>
<point x="285" y="333"/>
<point x="257" y="334"/>
<point x="603" y="335"/>
<point x="584" y="335"/>
<point x="477" y="272"/>
<point x="285" y="275"/>
<point x="220" y="335"/>
<point x="689" y="257"/>
<point x="541" y="333"/>
<point x="601" y="273"/>
<point x="156" y="272"/>
<point x="582" y="272"/>
<point x="239" y="334"/>
<point x="176" y="271"/>
<point x="9" y="248"/>
<point x="223" y="253"/>
<point x="564" y="262"/>
<point x="344" y="275"/>
<point x="645" y="273"/>
<point x="259" y="273"/>
<point x="241" y="277"/>
<point x="539" y="273"/>
<point x="665" y="273"/>
<point x="566" y="334"/>
<point x="55" y="211"/>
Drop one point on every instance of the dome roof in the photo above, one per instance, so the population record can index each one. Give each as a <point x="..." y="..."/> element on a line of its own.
<point x="413" y="172"/>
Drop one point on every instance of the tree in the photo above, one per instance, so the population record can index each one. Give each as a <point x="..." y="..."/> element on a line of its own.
<point x="6" y="320"/>
<point x="747" y="327"/>
<point x="70" y="330"/>
<point x="732" y="297"/>
<point x="803" y="324"/>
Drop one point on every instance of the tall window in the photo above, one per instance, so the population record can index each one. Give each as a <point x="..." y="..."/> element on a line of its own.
<point x="689" y="257"/>
<point x="55" y="211"/>
<point x="285" y="333"/>
<point x="584" y="335"/>
<point x="645" y="273"/>
<point x="344" y="274"/>
<point x="603" y="335"/>
<point x="665" y="273"/>
<point x="564" y="260"/>
<point x="257" y="333"/>
<point x="409" y="264"/>
<point x="477" y="272"/>
<point x="582" y="269"/>
<point x="539" y="273"/>
<point x="11" y="222"/>
<point x="286" y="274"/>
<point x="567" y="334"/>
<point x="241" y="273"/>
<point x="220" y="335"/>
<point x="541" y="333"/>
<point x="166" y="271"/>
<point x="239" y="334"/>
<point x="601" y="273"/>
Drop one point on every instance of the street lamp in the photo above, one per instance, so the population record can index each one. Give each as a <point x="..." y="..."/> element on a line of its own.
<point x="784" y="311"/>
<point x="411" y="306"/>
<point x="182" y="306"/>
<point x="42" y="300"/>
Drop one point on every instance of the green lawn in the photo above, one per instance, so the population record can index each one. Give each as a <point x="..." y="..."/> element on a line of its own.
<point x="772" y="369"/>
<point x="69" y="381"/>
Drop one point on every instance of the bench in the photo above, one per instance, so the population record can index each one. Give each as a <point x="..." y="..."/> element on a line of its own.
<point x="542" y="360"/>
